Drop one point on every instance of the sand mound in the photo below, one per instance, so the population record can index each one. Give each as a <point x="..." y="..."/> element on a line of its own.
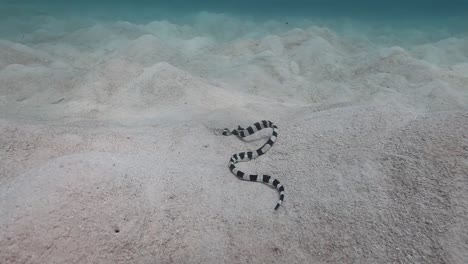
<point x="164" y="85"/>
<point x="16" y="53"/>
<point x="147" y="50"/>
<point x="446" y="51"/>
<point x="35" y="84"/>
<point x="167" y="30"/>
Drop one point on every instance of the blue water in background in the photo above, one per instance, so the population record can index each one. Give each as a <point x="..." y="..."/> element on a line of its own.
<point x="452" y="15"/>
<point x="357" y="8"/>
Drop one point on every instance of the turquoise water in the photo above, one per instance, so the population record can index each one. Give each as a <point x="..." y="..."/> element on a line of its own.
<point x="148" y="10"/>
<point x="443" y="18"/>
<point x="361" y="8"/>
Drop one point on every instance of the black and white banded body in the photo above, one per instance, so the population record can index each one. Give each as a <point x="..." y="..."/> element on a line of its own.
<point x="249" y="155"/>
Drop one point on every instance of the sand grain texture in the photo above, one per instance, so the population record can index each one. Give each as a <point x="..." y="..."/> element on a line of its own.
<point x="110" y="150"/>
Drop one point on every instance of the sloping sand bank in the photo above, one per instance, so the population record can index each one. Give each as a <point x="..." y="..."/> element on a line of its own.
<point x="110" y="150"/>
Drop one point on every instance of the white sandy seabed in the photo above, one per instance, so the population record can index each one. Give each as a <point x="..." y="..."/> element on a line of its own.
<point x="110" y="151"/>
